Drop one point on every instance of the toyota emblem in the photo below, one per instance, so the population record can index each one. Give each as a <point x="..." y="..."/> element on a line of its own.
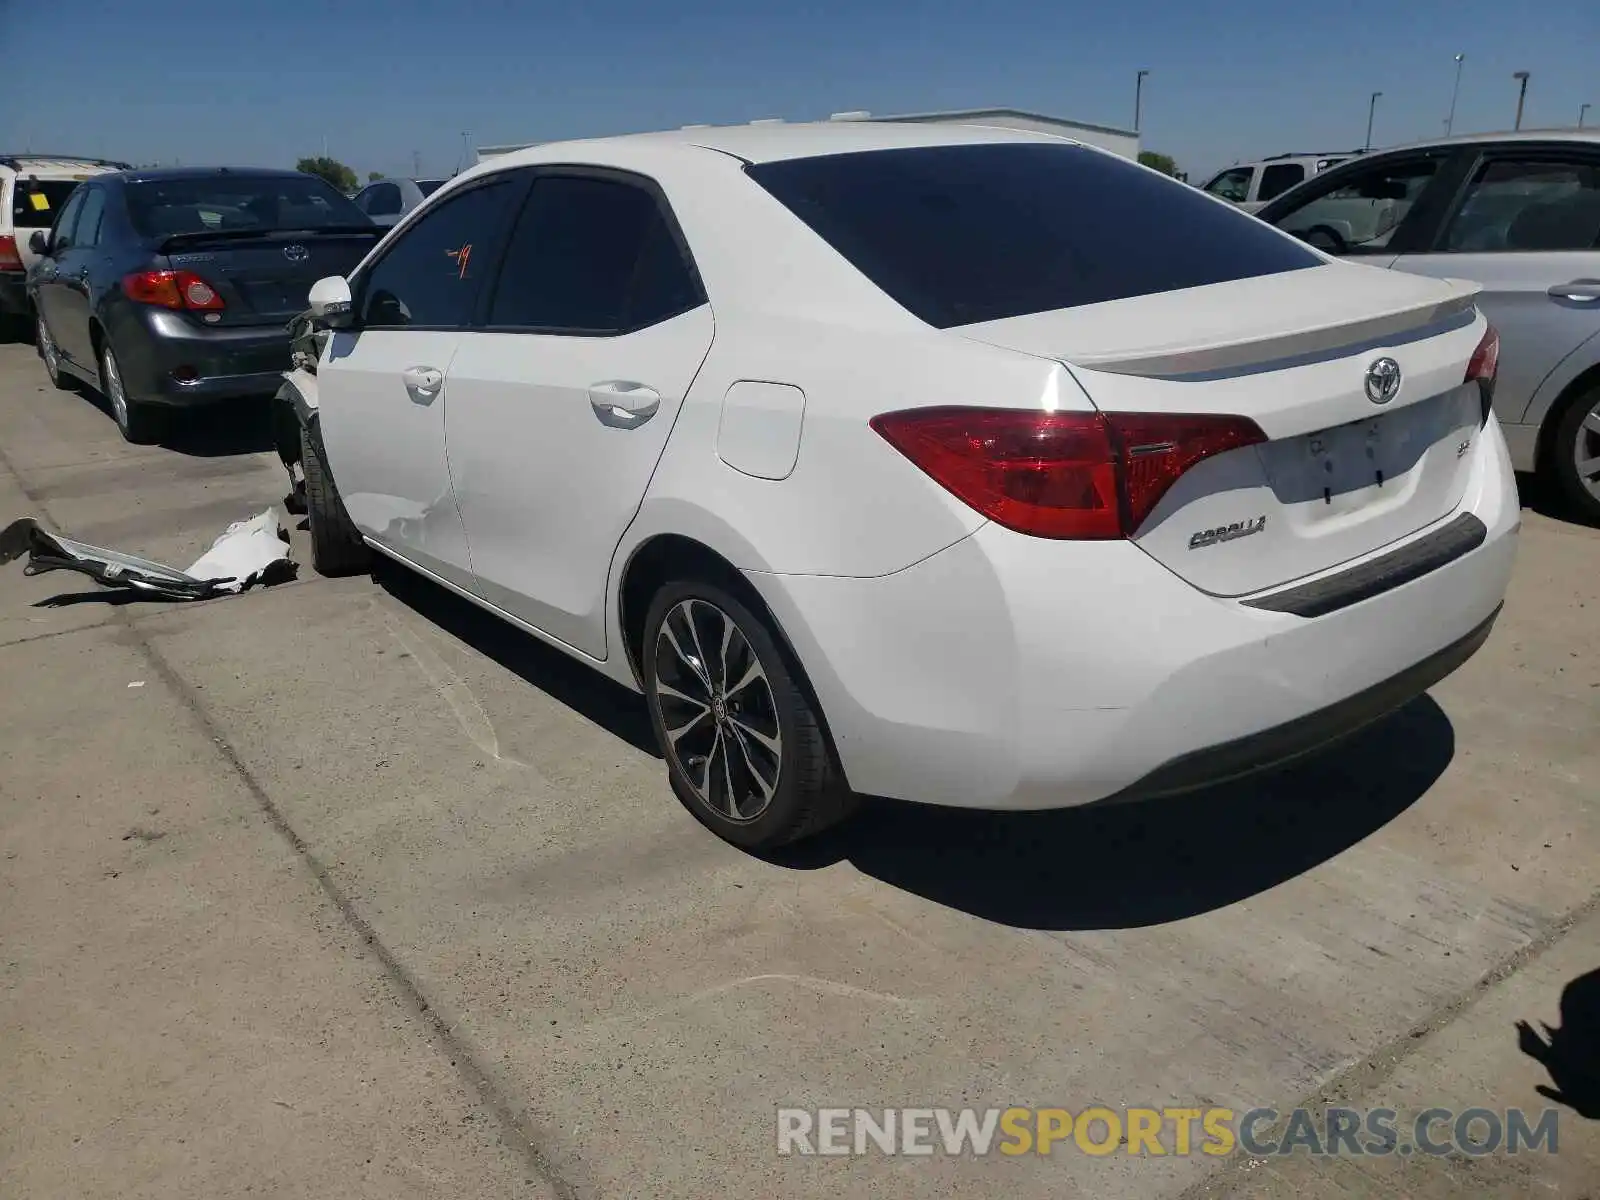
<point x="1383" y="380"/>
<point x="298" y="253"/>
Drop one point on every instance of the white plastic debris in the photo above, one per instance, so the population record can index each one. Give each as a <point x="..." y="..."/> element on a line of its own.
<point x="251" y="552"/>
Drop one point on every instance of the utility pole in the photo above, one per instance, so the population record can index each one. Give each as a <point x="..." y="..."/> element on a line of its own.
<point x="1450" y="121"/>
<point x="416" y="164"/>
<point x="462" y="161"/>
<point x="1583" y="111"/>
<point x="1522" y="94"/>
<point x="1138" y="97"/>
<point x="1372" y="105"/>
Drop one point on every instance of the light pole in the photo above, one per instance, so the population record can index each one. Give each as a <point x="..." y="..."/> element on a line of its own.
<point x="1372" y="105"/>
<point x="1138" y="97"/>
<point x="1522" y="94"/>
<point x="1583" y="111"/>
<point x="1450" y="121"/>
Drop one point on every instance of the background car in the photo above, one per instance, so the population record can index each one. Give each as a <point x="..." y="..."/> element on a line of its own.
<point x="965" y="466"/>
<point x="387" y="200"/>
<point x="170" y="288"/>
<point x="1250" y="185"/>
<point x="33" y="188"/>
<point x="1520" y="214"/>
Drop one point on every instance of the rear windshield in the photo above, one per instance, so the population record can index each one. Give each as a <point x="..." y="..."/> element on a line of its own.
<point x="35" y="202"/>
<point x="201" y="204"/>
<point x="961" y="234"/>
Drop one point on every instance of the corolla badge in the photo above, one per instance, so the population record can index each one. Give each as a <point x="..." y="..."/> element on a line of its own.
<point x="1383" y="380"/>
<point x="1227" y="533"/>
<point x="295" y="252"/>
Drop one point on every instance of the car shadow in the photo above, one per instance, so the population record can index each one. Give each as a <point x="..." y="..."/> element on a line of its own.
<point x="1124" y="866"/>
<point x="242" y="426"/>
<point x="1571" y="1050"/>
<point x="581" y="688"/>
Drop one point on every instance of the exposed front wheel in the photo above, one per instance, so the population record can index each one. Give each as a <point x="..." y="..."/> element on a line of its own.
<point x="49" y="354"/>
<point x="1575" y="455"/>
<point x="336" y="545"/>
<point x="745" y="749"/>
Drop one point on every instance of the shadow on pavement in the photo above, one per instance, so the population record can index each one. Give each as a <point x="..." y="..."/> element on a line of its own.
<point x="1130" y="865"/>
<point x="1572" y="1052"/>
<point x="581" y="688"/>
<point x="242" y="426"/>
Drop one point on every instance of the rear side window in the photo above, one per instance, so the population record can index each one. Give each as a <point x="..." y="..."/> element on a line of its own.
<point x="89" y="220"/>
<point x="1528" y="205"/>
<point x="35" y="203"/>
<point x="962" y="234"/>
<point x="432" y="275"/>
<point x="592" y="256"/>
<point x="1279" y="178"/>
<point x="383" y="200"/>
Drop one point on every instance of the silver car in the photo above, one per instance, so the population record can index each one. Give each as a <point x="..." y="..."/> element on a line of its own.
<point x="387" y="200"/>
<point x="1520" y="214"/>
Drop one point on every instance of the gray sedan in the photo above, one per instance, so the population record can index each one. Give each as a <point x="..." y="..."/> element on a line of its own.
<point x="1520" y="214"/>
<point x="387" y="200"/>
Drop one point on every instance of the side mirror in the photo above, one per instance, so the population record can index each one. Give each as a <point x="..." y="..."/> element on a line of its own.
<point x="39" y="243"/>
<point x="330" y="302"/>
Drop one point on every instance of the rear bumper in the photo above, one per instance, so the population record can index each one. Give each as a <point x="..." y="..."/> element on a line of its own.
<point x="1015" y="672"/>
<point x="155" y="347"/>
<point x="14" y="293"/>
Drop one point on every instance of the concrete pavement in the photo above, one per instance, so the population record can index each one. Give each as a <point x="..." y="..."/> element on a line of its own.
<point x="361" y="892"/>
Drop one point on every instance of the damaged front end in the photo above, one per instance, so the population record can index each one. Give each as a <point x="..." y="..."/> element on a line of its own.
<point x="295" y="406"/>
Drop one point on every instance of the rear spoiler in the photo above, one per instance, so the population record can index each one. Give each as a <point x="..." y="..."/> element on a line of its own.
<point x="199" y="237"/>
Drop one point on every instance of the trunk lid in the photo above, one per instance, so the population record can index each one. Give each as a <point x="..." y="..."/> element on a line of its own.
<point x="263" y="278"/>
<point x="1339" y="476"/>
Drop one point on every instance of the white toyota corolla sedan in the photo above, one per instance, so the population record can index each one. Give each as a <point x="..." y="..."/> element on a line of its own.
<point x="966" y="466"/>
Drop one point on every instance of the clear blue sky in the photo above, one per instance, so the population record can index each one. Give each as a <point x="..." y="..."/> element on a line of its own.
<point x="265" y="81"/>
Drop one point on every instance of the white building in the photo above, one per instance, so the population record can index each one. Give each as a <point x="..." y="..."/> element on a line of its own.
<point x="1119" y="141"/>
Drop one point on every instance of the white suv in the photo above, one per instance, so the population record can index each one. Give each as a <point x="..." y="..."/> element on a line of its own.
<point x="33" y="187"/>
<point x="1250" y="185"/>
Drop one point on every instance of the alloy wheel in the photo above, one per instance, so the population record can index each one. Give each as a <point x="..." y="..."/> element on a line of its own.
<point x="717" y="710"/>
<point x="114" y="389"/>
<point x="1586" y="451"/>
<point x="48" y="351"/>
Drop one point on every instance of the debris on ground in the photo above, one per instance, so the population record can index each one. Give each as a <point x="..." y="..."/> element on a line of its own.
<point x="249" y="553"/>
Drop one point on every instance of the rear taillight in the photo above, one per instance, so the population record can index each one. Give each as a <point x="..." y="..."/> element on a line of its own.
<point x="10" y="258"/>
<point x="1484" y="366"/>
<point x="1061" y="475"/>
<point x="172" y="289"/>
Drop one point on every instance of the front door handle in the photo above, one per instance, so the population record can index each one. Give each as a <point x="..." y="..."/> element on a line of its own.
<point x="1582" y="291"/>
<point x="422" y="382"/>
<point x="622" y="403"/>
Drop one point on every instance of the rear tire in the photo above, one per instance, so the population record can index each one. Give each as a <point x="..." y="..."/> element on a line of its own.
<point x="1577" y="441"/>
<point x="49" y="355"/>
<point x="746" y="751"/>
<point x="336" y="545"/>
<point x="140" y="423"/>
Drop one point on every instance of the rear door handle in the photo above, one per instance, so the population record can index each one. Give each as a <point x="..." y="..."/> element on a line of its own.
<point x="422" y="382"/>
<point x="1583" y="291"/>
<point x="623" y="403"/>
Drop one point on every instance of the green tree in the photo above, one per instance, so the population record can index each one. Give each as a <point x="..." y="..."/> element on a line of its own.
<point x="374" y="176"/>
<point x="331" y="169"/>
<point x="1158" y="162"/>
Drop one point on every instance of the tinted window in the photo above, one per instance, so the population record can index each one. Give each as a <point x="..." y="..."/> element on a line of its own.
<point x="959" y="234"/>
<point x="66" y="221"/>
<point x="202" y="203"/>
<point x="1528" y="205"/>
<point x="1232" y="185"/>
<point x="383" y="200"/>
<point x="1358" y="210"/>
<point x="429" y="186"/>
<point x="432" y="274"/>
<point x="591" y="256"/>
<point x="35" y="203"/>
<point x="90" y="218"/>
<point x="1279" y="178"/>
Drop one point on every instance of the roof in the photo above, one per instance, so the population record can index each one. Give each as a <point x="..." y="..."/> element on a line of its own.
<point x="155" y="174"/>
<point x="27" y="164"/>
<point x="1568" y="134"/>
<point x="777" y="141"/>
